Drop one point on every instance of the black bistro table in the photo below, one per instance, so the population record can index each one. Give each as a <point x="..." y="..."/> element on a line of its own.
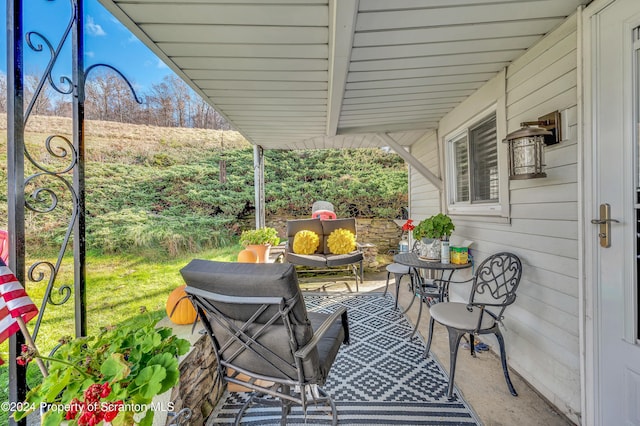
<point x="428" y="292"/>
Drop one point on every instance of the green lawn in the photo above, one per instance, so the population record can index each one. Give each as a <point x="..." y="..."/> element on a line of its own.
<point x="116" y="288"/>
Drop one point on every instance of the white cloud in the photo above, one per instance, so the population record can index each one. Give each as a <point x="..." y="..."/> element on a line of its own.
<point x="93" y="28"/>
<point x="90" y="54"/>
<point x="162" y="65"/>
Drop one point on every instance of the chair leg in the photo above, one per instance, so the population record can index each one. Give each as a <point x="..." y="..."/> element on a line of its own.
<point x="398" y="279"/>
<point x="428" y="348"/>
<point x="387" y="286"/>
<point x="503" y="358"/>
<point x="417" y="320"/>
<point x="454" y="342"/>
<point x="413" y="291"/>
<point x="286" y="406"/>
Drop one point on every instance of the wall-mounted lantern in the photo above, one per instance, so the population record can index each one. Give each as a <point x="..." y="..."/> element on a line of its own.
<point x="526" y="146"/>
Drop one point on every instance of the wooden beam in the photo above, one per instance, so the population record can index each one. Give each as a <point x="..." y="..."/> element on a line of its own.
<point x="341" y="25"/>
<point x="420" y="168"/>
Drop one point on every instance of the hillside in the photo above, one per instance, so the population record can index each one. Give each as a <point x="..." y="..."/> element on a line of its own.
<point x="174" y="190"/>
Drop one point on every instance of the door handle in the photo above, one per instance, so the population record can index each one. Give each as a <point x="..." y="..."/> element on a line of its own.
<point x="603" y="221"/>
<point x="605" y="225"/>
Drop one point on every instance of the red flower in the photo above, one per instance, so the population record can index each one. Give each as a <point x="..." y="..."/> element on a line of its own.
<point x="74" y="408"/>
<point x="106" y="390"/>
<point x="92" y="394"/>
<point x="1" y="361"/>
<point x="112" y="411"/>
<point x="22" y="361"/>
<point x="408" y="225"/>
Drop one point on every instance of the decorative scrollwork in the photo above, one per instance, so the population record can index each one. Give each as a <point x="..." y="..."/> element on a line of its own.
<point x="94" y="66"/>
<point x="47" y="197"/>
<point x="498" y="276"/>
<point x="54" y="55"/>
<point x="58" y="151"/>
<point x="36" y="274"/>
<point x="181" y="418"/>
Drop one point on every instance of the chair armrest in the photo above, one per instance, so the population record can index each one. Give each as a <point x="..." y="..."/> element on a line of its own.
<point x="321" y="331"/>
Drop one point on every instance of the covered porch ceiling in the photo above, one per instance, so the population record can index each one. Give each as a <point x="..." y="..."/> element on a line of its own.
<point x="297" y="74"/>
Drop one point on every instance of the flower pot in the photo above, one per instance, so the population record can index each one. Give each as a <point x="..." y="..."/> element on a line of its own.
<point x="262" y="250"/>
<point x="430" y="249"/>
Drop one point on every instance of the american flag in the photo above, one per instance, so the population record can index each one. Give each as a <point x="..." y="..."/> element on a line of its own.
<point x="14" y="303"/>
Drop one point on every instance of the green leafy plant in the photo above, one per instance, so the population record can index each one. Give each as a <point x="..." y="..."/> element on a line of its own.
<point x="436" y="226"/>
<point x="266" y="235"/>
<point x="111" y="377"/>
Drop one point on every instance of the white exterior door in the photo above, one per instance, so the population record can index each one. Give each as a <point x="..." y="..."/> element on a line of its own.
<point x="612" y="176"/>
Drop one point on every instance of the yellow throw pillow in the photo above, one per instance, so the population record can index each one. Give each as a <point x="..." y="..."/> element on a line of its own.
<point x="305" y="242"/>
<point x="341" y="241"/>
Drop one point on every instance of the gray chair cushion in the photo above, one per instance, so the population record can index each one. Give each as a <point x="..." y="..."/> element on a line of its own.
<point x="454" y="314"/>
<point x="328" y="346"/>
<point x="273" y="346"/>
<point x="296" y="225"/>
<point x="328" y="226"/>
<point x="313" y="260"/>
<point x="344" y="259"/>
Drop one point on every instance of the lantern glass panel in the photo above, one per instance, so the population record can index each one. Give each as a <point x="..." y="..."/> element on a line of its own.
<point x="527" y="155"/>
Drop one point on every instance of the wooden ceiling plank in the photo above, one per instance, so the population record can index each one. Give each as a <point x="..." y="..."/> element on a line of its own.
<point x="228" y="14"/>
<point x="282" y="94"/>
<point x="260" y="85"/>
<point x="400" y="74"/>
<point x="161" y="33"/>
<point x="399" y="37"/>
<point x="267" y="64"/>
<point x="444" y="48"/>
<point x="420" y="103"/>
<point x="423" y="81"/>
<point x="361" y="93"/>
<point x="244" y="75"/>
<point x="234" y="50"/>
<point x="428" y="17"/>
<point x="441" y="95"/>
<point x="437" y="61"/>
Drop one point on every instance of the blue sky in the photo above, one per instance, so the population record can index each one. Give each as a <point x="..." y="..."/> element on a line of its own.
<point x="106" y="41"/>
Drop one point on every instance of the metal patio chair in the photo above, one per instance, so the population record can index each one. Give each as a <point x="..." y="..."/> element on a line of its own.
<point x="262" y="334"/>
<point x="494" y="288"/>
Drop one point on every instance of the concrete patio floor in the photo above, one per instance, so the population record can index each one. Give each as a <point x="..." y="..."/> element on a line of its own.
<point x="479" y="379"/>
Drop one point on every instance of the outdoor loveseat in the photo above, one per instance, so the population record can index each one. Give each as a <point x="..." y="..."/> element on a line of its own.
<point x="323" y="257"/>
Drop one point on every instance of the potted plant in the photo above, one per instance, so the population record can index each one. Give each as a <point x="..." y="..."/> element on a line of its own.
<point x="110" y="378"/>
<point x="260" y="241"/>
<point x="431" y="231"/>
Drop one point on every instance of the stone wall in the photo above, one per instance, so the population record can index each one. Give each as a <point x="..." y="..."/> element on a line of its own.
<point x="200" y="387"/>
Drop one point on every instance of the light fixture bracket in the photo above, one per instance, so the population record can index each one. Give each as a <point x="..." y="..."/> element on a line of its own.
<point x="551" y="122"/>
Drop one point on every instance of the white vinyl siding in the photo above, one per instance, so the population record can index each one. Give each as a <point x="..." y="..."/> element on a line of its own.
<point x="541" y="226"/>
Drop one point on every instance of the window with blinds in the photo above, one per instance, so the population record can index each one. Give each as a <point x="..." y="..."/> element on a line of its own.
<point x="474" y="164"/>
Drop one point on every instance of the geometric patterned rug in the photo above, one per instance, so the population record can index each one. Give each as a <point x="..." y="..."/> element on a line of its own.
<point x="381" y="378"/>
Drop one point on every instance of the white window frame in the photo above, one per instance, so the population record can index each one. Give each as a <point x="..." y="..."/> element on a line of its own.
<point x="497" y="208"/>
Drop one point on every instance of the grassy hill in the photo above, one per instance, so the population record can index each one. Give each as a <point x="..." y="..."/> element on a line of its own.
<point x="160" y="190"/>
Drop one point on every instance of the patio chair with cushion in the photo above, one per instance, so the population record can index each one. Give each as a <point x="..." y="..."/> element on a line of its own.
<point x="262" y="334"/>
<point x="493" y="289"/>
<point x="314" y="247"/>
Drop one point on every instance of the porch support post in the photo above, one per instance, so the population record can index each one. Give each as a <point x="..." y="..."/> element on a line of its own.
<point x="258" y="184"/>
<point x="79" y="238"/>
<point x="417" y="165"/>
<point x="15" y="187"/>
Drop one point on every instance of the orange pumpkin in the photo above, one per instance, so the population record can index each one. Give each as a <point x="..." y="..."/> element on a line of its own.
<point x="247" y="256"/>
<point x="179" y="308"/>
